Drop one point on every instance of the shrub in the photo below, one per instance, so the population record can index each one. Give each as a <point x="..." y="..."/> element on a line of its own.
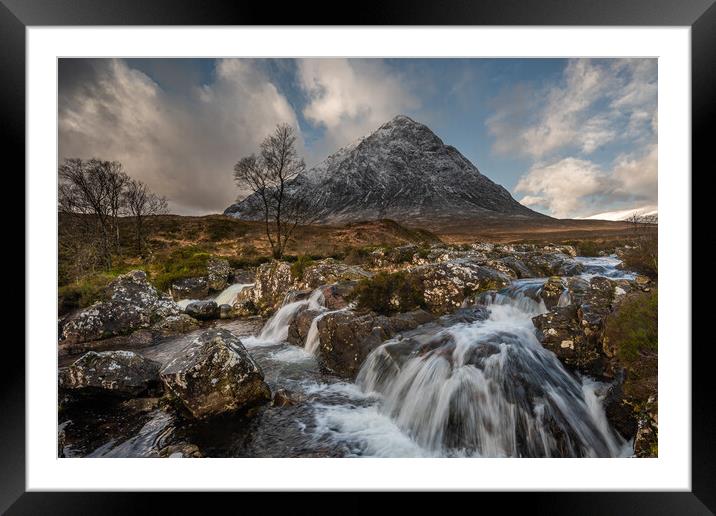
<point x="299" y="265"/>
<point x="356" y="256"/>
<point x="643" y="257"/>
<point x="632" y="330"/>
<point x="185" y="262"/>
<point x="387" y="293"/>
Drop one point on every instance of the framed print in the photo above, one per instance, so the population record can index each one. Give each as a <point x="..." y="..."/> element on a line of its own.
<point x="424" y="257"/>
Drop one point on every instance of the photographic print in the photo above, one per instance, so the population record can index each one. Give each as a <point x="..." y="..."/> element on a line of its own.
<point x="341" y="257"/>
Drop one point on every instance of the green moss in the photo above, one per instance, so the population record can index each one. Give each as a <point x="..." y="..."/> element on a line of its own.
<point x="387" y="293"/>
<point x="185" y="262"/>
<point x="633" y="329"/>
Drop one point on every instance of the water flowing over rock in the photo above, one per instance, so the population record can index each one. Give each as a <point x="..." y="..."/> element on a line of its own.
<point x="345" y="338"/>
<point x="133" y="303"/>
<point x="215" y="375"/>
<point x="120" y="373"/>
<point x="488" y="388"/>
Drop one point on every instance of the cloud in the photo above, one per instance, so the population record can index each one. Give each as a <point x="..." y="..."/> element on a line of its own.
<point x="183" y="145"/>
<point x="351" y="97"/>
<point x="593" y="104"/>
<point x="574" y="187"/>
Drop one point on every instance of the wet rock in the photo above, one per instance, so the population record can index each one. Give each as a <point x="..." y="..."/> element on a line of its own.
<point x="132" y="303"/>
<point x="346" y="338"/>
<point x="190" y="288"/>
<point x="215" y="375"/>
<point x="286" y="398"/>
<point x="226" y="312"/>
<point x="120" y="373"/>
<point x="297" y="295"/>
<point x="331" y="271"/>
<point x="552" y="264"/>
<point x="551" y="291"/>
<point x="175" y="325"/>
<point x="447" y="284"/>
<point x="298" y="329"/>
<point x="140" y="405"/>
<point x="203" y="310"/>
<point x="561" y="333"/>
<point x="218" y="274"/>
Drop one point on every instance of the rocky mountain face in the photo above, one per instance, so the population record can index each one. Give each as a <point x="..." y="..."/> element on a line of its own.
<point x="402" y="171"/>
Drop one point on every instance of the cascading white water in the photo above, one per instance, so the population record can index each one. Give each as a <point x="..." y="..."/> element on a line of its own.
<point x="313" y="338"/>
<point x="488" y="388"/>
<point x="228" y="295"/>
<point x="276" y="328"/>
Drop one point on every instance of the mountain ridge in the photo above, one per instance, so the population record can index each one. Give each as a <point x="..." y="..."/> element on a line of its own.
<point x="401" y="171"/>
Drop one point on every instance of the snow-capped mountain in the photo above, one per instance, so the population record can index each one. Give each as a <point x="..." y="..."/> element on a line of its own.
<point x="402" y="171"/>
<point x="650" y="212"/>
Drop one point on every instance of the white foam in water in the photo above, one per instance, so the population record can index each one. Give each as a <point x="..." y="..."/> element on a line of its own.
<point x="603" y="266"/>
<point x="183" y="303"/>
<point x="291" y="354"/>
<point x="489" y="388"/>
<point x="228" y="295"/>
<point x="275" y="330"/>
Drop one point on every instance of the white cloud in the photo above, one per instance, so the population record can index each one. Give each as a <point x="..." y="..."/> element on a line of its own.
<point x="573" y="187"/>
<point x="595" y="103"/>
<point x="184" y="148"/>
<point x="351" y="97"/>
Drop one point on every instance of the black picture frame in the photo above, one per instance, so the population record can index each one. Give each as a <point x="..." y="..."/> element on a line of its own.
<point x="700" y="15"/>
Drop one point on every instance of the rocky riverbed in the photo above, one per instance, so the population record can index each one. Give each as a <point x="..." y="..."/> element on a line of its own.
<point x="504" y="356"/>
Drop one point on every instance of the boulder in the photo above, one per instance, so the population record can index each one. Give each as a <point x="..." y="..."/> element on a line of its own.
<point x="132" y="303"/>
<point x="175" y="325"/>
<point x="551" y="291"/>
<point x="552" y="264"/>
<point x="346" y="338"/>
<point x="447" y="284"/>
<point x="335" y="296"/>
<point x="298" y="329"/>
<point x="118" y="373"/>
<point x="215" y="375"/>
<point x="518" y="268"/>
<point x="331" y="271"/>
<point x="203" y="310"/>
<point x="273" y="281"/>
<point x="218" y="274"/>
<point x="244" y="276"/>
<point x="190" y="288"/>
<point x="226" y="312"/>
<point x="286" y="398"/>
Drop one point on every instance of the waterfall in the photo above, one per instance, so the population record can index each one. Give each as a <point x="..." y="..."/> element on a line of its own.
<point x="313" y="338"/>
<point x="228" y="295"/>
<point x="488" y="388"/>
<point x="276" y="328"/>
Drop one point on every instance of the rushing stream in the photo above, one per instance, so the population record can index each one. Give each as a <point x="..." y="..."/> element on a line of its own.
<point x="475" y="383"/>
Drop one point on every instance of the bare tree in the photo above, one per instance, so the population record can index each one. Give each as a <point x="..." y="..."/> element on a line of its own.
<point x="141" y="203"/>
<point x="88" y="190"/>
<point x="269" y="175"/>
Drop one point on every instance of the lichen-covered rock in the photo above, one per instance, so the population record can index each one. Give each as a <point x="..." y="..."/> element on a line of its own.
<point x="330" y="271"/>
<point x="552" y="264"/>
<point x="132" y="303"/>
<point x="551" y="291"/>
<point x="244" y="276"/>
<point x="273" y="280"/>
<point x="575" y="332"/>
<point x="447" y="284"/>
<point x="215" y="375"/>
<point x="120" y="373"/>
<point x="218" y="274"/>
<point x="175" y="325"/>
<point x="190" y="288"/>
<point x="519" y="269"/>
<point x="346" y="338"/>
<point x="203" y="310"/>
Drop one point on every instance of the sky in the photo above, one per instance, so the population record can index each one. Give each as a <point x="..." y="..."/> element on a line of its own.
<point x="571" y="138"/>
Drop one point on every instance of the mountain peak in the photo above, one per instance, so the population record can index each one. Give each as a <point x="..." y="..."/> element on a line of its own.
<point x="401" y="171"/>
